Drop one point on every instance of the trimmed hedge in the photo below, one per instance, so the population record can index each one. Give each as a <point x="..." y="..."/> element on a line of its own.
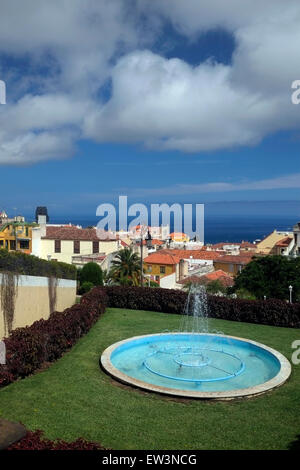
<point x="30" y="265"/>
<point x="267" y="312"/>
<point x="27" y="349"/>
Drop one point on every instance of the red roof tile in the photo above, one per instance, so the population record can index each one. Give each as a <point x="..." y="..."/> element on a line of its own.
<point x="73" y="233"/>
<point x="284" y="242"/>
<point x="160" y="258"/>
<point x="218" y="275"/>
<point x="235" y="259"/>
<point x="194" y="254"/>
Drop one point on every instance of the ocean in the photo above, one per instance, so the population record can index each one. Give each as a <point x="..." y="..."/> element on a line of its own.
<point x="216" y="228"/>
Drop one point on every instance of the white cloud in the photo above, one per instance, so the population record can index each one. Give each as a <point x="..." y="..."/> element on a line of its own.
<point x="168" y="104"/>
<point x="163" y="104"/>
<point x="285" y="182"/>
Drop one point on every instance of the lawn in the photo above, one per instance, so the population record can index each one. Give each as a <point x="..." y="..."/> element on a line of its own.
<point x="74" y="398"/>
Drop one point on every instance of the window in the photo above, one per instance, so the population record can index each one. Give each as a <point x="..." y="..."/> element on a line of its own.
<point x="1" y="242"/>
<point x="12" y="244"/>
<point x="149" y="269"/>
<point x="162" y="269"/>
<point x="26" y="232"/>
<point x="231" y="268"/>
<point x="95" y="247"/>
<point x="76" y="246"/>
<point x="24" y="244"/>
<point x="57" y="246"/>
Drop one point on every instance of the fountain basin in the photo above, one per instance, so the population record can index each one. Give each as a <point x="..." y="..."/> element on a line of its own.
<point x="196" y="365"/>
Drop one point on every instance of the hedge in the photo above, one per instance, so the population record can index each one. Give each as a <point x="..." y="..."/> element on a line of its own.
<point x="21" y="263"/>
<point x="27" y="349"/>
<point x="267" y="312"/>
<point x="46" y="340"/>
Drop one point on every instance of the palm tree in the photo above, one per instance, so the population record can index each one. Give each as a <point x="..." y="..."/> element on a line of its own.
<point x="126" y="267"/>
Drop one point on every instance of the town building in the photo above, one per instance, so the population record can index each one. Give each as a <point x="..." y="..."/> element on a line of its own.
<point x="62" y="243"/>
<point x="16" y="236"/>
<point x="179" y="237"/>
<point x="268" y="245"/>
<point x="296" y="234"/>
<point x="232" y="264"/>
<point x="164" y="268"/>
<point x="284" y="246"/>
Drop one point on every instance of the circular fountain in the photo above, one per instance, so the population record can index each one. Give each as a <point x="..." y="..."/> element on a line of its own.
<point x="195" y="361"/>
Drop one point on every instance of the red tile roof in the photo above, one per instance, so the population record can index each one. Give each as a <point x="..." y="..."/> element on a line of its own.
<point x="220" y="245"/>
<point x="194" y="254"/>
<point x="218" y="275"/>
<point x="162" y="258"/>
<point x="221" y="276"/>
<point x="247" y="245"/>
<point x="73" y="233"/>
<point x="177" y="234"/>
<point x="284" y="242"/>
<point x="154" y="241"/>
<point x="235" y="259"/>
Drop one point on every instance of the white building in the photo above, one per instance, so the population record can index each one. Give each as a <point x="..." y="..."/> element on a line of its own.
<point x="62" y="243"/>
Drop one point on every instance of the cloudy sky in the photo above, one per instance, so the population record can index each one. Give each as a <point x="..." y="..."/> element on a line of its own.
<point x="161" y="100"/>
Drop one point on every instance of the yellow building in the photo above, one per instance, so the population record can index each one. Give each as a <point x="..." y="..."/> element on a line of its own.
<point x="159" y="265"/>
<point x="268" y="245"/>
<point x="179" y="237"/>
<point x="16" y="236"/>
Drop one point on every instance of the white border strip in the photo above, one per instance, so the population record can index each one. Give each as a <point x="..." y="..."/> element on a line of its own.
<point x="39" y="281"/>
<point x="279" y="379"/>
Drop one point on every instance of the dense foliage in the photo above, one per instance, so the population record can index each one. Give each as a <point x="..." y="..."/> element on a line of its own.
<point x="126" y="268"/>
<point x="271" y="276"/>
<point x="91" y="272"/>
<point x="34" y="440"/>
<point x="270" y="312"/>
<point x="17" y="262"/>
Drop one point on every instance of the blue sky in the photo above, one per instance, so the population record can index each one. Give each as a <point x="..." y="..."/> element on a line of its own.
<point x="163" y="107"/>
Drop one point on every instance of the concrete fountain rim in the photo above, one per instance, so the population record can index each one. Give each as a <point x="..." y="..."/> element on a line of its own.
<point x="279" y="379"/>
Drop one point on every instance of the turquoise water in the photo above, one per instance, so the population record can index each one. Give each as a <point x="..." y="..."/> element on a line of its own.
<point x="196" y="362"/>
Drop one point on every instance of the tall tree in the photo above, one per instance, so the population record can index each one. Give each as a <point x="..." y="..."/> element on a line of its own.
<point x="271" y="276"/>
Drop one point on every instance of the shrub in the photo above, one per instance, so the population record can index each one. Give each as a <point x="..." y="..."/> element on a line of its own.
<point x="85" y="287"/>
<point x="30" y="265"/>
<point x="34" y="440"/>
<point x="269" y="312"/>
<point x="92" y="273"/>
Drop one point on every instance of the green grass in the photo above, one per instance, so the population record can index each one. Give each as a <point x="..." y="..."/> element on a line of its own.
<point x="75" y="398"/>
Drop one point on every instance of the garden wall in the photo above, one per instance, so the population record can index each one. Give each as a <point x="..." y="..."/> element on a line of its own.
<point x="34" y="298"/>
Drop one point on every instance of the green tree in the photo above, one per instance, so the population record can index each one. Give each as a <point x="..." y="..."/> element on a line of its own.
<point x="270" y="276"/>
<point x="126" y="267"/>
<point x="215" y="287"/>
<point x="91" y="272"/>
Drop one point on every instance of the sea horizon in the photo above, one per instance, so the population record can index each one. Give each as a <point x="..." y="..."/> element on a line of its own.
<point x="217" y="228"/>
